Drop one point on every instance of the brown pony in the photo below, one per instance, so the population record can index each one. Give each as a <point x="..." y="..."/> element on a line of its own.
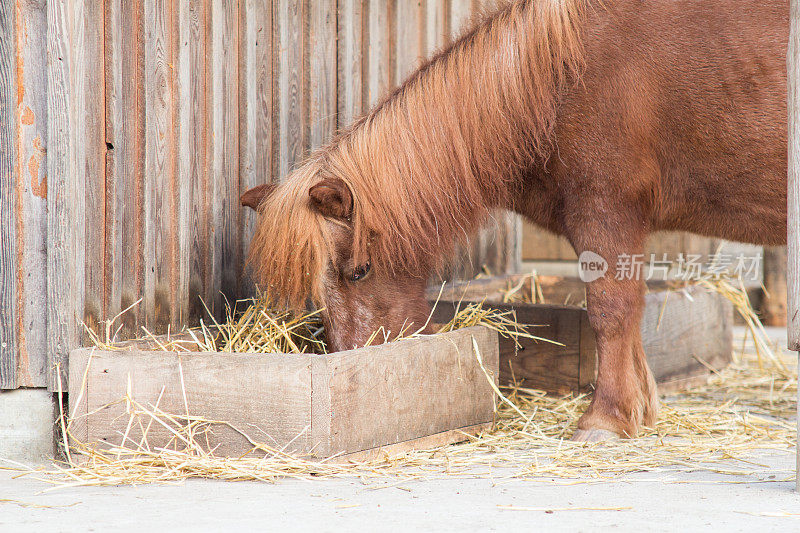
<point x="600" y="122"/>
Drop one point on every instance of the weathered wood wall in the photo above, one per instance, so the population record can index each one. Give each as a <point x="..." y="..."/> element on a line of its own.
<point x="23" y="193"/>
<point x="129" y="128"/>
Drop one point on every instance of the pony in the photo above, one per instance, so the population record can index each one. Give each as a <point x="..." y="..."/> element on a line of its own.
<point x="602" y="122"/>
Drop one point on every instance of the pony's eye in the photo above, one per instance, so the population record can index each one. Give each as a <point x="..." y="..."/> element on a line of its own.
<point x="360" y="272"/>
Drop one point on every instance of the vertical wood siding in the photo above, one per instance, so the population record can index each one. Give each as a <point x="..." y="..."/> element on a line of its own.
<point x="130" y="128"/>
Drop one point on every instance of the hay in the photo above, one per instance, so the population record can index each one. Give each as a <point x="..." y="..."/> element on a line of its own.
<point x="252" y="325"/>
<point x="714" y="428"/>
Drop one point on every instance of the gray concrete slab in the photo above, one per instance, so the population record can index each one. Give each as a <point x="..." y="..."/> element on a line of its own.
<point x="26" y="424"/>
<point x="658" y="501"/>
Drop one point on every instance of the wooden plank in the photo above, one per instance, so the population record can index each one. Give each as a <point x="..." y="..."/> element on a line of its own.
<point x="409" y="389"/>
<point x="773" y="306"/>
<point x="291" y="97"/>
<point x="676" y="336"/>
<point x="217" y="386"/>
<point x="428" y="442"/>
<point x="499" y="244"/>
<point x="323" y="71"/>
<point x="351" y="61"/>
<point x="90" y="163"/>
<point x="160" y="159"/>
<point x="31" y="183"/>
<point x="64" y="292"/>
<point x="793" y="213"/>
<point x="541" y="245"/>
<point x="537" y="364"/>
<point x="410" y="38"/>
<point x="125" y="135"/>
<point x="226" y="243"/>
<point x="587" y="374"/>
<point x="379" y="69"/>
<point x="192" y="140"/>
<point x="255" y="127"/>
<point x="321" y="414"/>
<point x="678" y="329"/>
<point x="76" y="386"/>
<point x="664" y="242"/>
<point x="8" y="200"/>
<point x="436" y="26"/>
<point x="460" y="15"/>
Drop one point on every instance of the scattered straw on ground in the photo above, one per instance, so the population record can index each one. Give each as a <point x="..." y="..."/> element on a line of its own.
<point x="714" y="428"/>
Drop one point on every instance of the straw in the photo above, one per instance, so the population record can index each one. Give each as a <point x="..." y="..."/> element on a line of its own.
<point x="714" y="428"/>
<point x="718" y="427"/>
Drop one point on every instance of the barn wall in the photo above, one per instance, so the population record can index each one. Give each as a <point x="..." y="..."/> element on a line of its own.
<point x="129" y="129"/>
<point x="23" y="193"/>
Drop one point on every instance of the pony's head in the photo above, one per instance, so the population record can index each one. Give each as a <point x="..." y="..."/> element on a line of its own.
<point x="312" y="242"/>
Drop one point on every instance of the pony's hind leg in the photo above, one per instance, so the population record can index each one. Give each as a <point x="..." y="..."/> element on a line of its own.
<point x="625" y="396"/>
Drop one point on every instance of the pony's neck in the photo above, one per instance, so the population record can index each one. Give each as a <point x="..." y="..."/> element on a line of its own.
<point x="448" y="145"/>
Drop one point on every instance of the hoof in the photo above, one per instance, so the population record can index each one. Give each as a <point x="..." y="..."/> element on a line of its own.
<point x="594" y="435"/>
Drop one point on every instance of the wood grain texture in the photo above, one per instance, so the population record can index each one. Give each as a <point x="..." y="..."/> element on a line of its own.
<point x="409" y="389"/>
<point x="461" y="12"/>
<point x="680" y="327"/>
<point x="255" y="89"/>
<point x="379" y="70"/>
<point x="404" y="395"/>
<point x="322" y="72"/>
<point x="31" y="191"/>
<point x="160" y="159"/>
<point x="351" y="60"/>
<point x="75" y="279"/>
<point x="793" y="213"/>
<point x="267" y="396"/>
<point x="292" y="76"/>
<point x="193" y="177"/>
<point x="773" y="305"/>
<point x="409" y="32"/>
<point x="90" y="163"/>
<point x="436" y="26"/>
<point x="226" y="259"/>
<point x="8" y="200"/>
<point x="539" y="364"/>
<point x="125" y="171"/>
<point x="428" y="442"/>
<point x="62" y="294"/>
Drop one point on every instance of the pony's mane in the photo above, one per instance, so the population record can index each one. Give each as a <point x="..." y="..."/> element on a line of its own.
<point x="427" y="164"/>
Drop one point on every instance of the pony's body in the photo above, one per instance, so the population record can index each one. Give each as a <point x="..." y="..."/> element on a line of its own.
<point x="602" y="124"/>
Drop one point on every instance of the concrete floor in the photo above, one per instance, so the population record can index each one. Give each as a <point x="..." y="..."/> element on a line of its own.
<point x="658" y="501"/>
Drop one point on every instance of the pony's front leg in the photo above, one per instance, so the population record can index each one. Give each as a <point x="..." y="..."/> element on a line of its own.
<point x="625" y="395"/>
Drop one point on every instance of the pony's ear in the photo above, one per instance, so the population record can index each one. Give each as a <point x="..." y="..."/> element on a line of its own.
<point x="331" y="197"/>
<point x="256" y="195"/>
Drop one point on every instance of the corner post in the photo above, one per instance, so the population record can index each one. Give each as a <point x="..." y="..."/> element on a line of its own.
<point x="793" y="183"/>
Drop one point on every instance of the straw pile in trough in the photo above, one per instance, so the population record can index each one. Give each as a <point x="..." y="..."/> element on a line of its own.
<point x="253" y="325"/>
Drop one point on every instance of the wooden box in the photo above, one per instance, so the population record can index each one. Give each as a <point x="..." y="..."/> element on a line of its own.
<point x="408" y="394"/>
<point x="684" y="332"/>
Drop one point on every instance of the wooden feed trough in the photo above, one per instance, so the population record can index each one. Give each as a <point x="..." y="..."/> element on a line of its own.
<point x="684" y="333"/>
<point x="408" y="394"/>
